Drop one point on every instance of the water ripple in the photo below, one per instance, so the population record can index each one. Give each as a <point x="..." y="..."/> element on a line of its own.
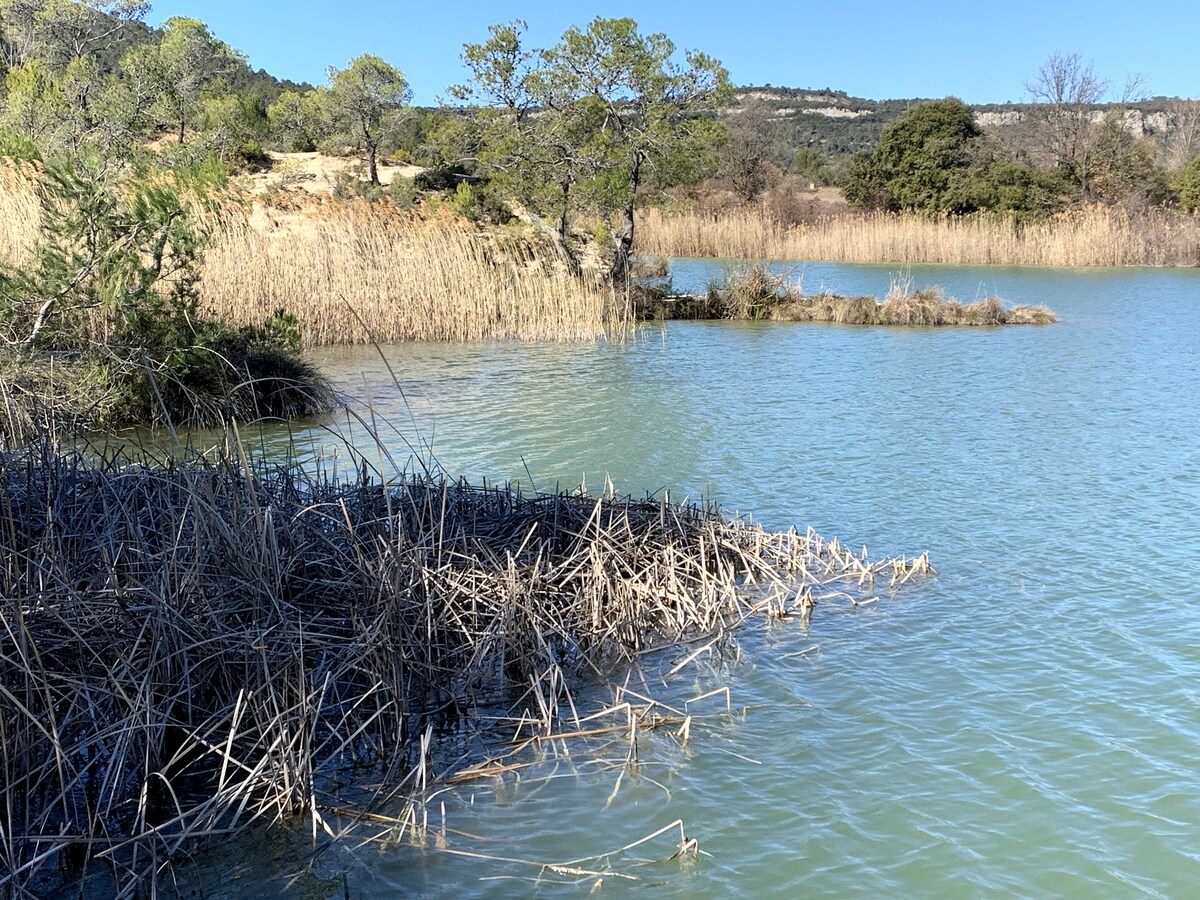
<point x="1027" y="723"/>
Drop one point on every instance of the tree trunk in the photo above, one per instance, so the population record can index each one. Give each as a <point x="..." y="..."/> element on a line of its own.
<point x="560" y="237"/>
<point x="560" y="245"/>
<point x="623" y="248"/>
<point x="619" y="273"/>
<point x="372" y="167"/>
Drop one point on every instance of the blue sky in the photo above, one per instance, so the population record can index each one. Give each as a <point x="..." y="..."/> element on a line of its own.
<point x="983" y="53"/>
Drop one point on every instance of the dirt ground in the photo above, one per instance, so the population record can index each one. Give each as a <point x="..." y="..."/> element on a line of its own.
<point x="315" y="173"/>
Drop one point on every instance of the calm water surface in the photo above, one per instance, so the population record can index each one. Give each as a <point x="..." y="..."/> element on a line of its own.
<point x="1027" y="723"/>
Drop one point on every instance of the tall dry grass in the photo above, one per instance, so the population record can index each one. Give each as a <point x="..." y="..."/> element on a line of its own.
<point x="1094" y="236"/>
<point x="359" y="272"/>
<point x="19" y="214"/>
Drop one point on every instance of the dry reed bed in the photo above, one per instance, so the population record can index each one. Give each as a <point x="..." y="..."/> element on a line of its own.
<point x="199" y="647"/>
<point x="1095" y="236"/>
<point x="19" y="214"/>
<point x="755" y="292"/>
<point x="357" y="272"/>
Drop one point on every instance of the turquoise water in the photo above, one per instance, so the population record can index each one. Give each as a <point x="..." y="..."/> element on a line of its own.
<point x="1027" y="722"/>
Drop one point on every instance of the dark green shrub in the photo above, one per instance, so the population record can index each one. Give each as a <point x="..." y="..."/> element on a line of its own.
<point x="245" y="374"/>
<point x="1024" y="191"/>
<point x="18" y="146"/>
<point x="403" y="192"/>
<point x="810" y="165"/>
<point x="440" y="178"/>
<point x="1187" y="185"/>
<point x="251" y="156"/>
<point x="919" y="161"/>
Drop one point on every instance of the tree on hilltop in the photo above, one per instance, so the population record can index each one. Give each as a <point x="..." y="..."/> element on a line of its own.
<point x="361" y="98"/>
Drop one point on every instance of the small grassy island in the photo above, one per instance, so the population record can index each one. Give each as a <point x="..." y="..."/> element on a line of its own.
<point x="754" y="293"/>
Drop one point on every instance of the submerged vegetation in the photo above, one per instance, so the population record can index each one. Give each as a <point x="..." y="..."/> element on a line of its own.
<point x="206" y="646"/>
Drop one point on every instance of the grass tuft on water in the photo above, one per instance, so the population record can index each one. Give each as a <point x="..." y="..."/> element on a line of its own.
<point x="756" y="293"/>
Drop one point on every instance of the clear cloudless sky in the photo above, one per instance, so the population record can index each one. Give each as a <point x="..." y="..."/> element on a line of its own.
<point x="880" y="49"/>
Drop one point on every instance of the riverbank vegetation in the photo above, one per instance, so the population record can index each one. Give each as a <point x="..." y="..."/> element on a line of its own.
<point x="756" y="293"/>
<point x="358" y="269"/>
<point x="1091" y="236"/>
<point x="360" y="272"/>
<point x="575" y="136"/>
<point x="1065" y="180"/>
<point x="210" y="645"/>
<point x="132" y="260"/>
<point x="102" y="323"/>
<point x="522" y="211"/>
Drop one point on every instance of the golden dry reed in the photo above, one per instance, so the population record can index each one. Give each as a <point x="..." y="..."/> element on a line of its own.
<point x="1094" y="236"/>
<point x="358" y="272"/>
<point x="19" y="215"/>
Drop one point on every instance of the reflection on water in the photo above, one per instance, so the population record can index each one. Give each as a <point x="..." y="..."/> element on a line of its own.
<point x="1026" y="723"/>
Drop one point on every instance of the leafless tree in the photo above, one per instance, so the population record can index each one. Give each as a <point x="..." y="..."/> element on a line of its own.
<point x="1067" y="92"/>
<point x="745" y="154"/>
<point x="1183" y="132"/>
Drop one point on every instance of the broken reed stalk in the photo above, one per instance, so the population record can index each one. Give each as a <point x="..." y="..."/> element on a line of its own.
<point x="200" y="646"/>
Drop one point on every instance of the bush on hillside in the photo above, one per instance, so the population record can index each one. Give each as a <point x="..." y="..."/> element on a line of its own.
<point x="1187" y="184"/>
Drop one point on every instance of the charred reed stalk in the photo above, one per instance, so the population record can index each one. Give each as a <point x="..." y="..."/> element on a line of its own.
<point x="198" y="646"/>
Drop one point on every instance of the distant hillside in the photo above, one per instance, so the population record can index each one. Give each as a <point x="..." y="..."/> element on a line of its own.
<point x="836" y="124"/>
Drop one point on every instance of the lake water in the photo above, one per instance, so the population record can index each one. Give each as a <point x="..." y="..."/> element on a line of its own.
<point x="1027" y="722"/>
